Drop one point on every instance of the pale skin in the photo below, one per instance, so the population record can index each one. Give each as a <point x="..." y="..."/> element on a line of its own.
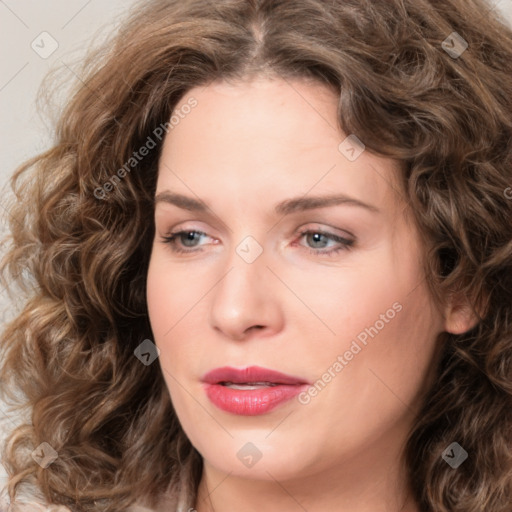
<point x="243" y="149"/>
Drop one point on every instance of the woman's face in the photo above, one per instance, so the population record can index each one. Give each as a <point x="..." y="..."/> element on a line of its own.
<point x="274" y="275"/>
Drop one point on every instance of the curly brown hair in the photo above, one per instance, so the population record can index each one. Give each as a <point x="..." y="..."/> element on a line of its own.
<point x="81" y="236"/>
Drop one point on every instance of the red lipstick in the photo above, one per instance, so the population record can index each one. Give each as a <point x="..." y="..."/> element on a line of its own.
<point x="250" y="391"/>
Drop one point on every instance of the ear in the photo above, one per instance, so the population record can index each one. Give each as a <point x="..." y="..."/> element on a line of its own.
<point x="460" y="316"/>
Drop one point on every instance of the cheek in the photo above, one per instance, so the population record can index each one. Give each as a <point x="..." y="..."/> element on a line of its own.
<point x="347" y="302"/>
<point x="385" y="330"/>
<point x="162" y="309"/>
<point x="386" y="356"/>
<point x="174" y="304"/>
<point x="382" y="379"/>
<point x="169" y="293"/>
<point x="157" y="295"/>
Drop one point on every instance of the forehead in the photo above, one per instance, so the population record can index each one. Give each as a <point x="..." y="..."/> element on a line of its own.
<point x="276" y="135"/>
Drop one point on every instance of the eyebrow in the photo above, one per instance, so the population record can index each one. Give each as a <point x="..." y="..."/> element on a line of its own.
<point x="283" y="208"/>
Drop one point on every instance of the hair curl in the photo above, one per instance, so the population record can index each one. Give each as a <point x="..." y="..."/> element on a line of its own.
<point x="82" y="261"/>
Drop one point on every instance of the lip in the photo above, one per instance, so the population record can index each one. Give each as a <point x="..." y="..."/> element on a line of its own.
<point x="251" y="402"/>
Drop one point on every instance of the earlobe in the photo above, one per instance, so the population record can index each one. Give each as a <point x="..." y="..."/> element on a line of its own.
<point x="460" y="316"/>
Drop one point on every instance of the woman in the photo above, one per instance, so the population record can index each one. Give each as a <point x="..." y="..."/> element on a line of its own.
<point x="271" y="264"/>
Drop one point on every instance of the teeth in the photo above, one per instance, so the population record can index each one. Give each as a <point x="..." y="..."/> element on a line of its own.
<point x="248" y="385"/>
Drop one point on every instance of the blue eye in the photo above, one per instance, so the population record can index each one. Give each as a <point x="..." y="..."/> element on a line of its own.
<point x="187" y="238"/>
<point x="318" y="236"/>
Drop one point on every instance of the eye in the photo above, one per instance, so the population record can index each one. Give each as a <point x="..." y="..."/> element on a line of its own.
<point x="318" y="238"/>
<point x="186" y="237"/>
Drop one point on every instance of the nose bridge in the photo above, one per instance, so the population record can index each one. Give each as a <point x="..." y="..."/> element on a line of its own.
<point x="249" y="250"/>
<point x="243" y="299"/>
<point x="247" y="271"/>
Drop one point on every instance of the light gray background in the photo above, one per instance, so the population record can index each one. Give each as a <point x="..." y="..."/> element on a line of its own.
<point x="74" y="25"/>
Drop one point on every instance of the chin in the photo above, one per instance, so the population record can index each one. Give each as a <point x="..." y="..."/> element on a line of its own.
<point x="257" y="456"/>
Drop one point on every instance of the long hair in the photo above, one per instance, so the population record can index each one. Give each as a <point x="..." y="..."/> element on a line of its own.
<point x="81" y="222"/>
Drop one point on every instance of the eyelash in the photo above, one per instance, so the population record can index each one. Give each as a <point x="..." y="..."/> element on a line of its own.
<point x="346" y="244"/>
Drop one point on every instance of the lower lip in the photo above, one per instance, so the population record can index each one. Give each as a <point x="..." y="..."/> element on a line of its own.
<point x="252" y="401"/>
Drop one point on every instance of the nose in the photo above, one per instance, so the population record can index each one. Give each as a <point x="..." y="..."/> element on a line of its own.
<point x="247" y="300"/>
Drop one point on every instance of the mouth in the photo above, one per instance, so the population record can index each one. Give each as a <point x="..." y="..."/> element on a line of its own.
<point x="250" y="391"/>
<point x="248" y="385"/>
<point x="251" y="376"/>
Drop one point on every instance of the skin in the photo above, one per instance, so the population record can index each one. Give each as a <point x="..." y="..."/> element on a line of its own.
<point x="242" y="149"/>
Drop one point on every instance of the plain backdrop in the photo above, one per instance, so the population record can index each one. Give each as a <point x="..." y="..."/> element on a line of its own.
<point x="37" y="36"/>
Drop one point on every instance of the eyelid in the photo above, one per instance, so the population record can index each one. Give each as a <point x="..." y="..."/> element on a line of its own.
<point x="326" y="228"/>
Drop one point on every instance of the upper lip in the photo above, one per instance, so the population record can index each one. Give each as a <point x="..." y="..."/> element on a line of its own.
<point x="250" y="374"/>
